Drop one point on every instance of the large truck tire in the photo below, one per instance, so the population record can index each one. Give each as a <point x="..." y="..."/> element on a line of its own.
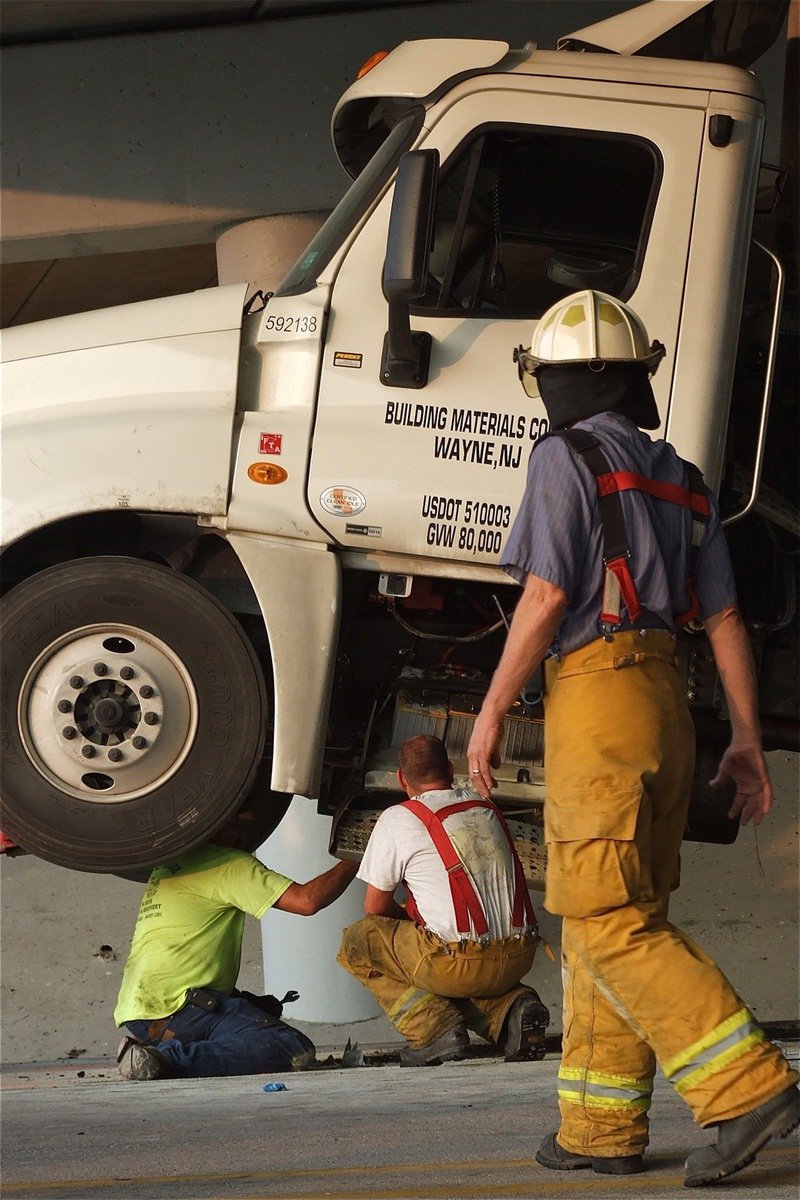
<point x="133" y="715"/>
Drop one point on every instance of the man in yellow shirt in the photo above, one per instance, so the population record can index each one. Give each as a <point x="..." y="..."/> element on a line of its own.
<point x="178" y="998"/>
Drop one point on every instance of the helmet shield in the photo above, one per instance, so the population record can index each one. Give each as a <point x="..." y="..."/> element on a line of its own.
<point x="526" y="367"/>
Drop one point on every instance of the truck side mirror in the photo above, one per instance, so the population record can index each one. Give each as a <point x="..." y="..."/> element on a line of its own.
<point x="406" y="355"/>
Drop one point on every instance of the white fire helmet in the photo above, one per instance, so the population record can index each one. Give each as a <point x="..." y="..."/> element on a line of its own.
<point x="587" y="327"/>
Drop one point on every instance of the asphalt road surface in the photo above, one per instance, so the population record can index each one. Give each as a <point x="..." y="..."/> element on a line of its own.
<point x="463" y="1130"/>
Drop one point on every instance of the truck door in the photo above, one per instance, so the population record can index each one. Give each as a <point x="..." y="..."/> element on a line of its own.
<point x="596" y="193"/>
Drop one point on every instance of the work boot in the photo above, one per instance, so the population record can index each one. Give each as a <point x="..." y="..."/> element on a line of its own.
<point x="522" y="1038"/>
<point x="127" y="1041"/>
<point x="740" y="1139"/>
<point x="450" y="1047"/>
<point x="142" y="1062"/>
<point x="553" y="1155"/>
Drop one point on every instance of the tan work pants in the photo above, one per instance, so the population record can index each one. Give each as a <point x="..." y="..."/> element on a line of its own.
<point x="427" y="986"/>
<point x="619" y="756"/>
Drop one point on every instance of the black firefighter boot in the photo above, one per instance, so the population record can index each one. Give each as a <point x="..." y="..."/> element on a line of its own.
<point x="451" y="1046"/>
<point x="524" y="1028"/>
<point x="551" y="1154"/>
<point x="740" y="1139"/>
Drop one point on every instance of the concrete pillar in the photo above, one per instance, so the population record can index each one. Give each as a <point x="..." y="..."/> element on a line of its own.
<point x="300" y="952"/>
<point x="260" y="252"/>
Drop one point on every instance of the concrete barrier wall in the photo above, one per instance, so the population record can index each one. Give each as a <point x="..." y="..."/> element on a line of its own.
<point x="164" y="139"/>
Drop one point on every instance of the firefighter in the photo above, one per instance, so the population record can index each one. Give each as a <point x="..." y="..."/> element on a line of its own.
<point x="617" y="542"/>
<point x="457" y="963"/>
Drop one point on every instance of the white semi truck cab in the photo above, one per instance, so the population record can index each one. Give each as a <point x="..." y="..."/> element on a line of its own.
<point x="252" y="542"/>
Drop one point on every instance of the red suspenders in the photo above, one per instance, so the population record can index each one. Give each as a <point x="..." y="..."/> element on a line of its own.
<point x="619" y="586"/>
<point x="466" y="905"/>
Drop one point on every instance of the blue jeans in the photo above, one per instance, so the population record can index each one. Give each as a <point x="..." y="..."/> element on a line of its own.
<point x="236" y="1039"/>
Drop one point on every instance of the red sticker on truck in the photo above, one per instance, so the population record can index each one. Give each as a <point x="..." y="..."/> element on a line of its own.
<point x="270" y="443"/>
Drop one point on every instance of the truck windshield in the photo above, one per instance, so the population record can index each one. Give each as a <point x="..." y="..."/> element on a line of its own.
<point x="303" y="275"/>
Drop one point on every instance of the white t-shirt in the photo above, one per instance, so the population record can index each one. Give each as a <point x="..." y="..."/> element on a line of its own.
<point x="401" y="849"/>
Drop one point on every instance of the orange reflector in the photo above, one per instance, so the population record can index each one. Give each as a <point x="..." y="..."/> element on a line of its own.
<point x="371" y="62"/>
<point x="262" y="472"/>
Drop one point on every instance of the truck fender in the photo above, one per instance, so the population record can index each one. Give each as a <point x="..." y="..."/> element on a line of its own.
<point x="299" y="590"/>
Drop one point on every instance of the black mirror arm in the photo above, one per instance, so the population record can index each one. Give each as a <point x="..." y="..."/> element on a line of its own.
<point x="406" y="354"/>
<point x="399" y="336"/>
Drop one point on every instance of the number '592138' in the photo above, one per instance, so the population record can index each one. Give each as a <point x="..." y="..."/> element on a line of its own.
<point x="304" y="324"/>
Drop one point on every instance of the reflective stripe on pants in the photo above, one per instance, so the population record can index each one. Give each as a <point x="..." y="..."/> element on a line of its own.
<point x="579" y="1086"/>
<point x="708" y="1055"/>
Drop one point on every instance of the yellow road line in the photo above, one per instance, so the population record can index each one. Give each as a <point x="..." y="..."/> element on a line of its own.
<point x="608" y="1186"/>
<point x="266" y="1176"/>
<point x="543" y="1183"/>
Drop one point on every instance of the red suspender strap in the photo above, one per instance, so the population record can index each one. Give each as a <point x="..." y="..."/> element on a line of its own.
<point x="627" y="481"/>
<point x="467" y="902"/>
<point x="618" y="567"/>
<point x="619" y="583"/>
<point x="523" y="907"/>
<point x="411" y="907"/>
<point x="694" y="606"/>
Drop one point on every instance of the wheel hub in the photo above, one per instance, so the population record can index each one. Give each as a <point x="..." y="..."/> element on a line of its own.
<point x="108" y="713"/>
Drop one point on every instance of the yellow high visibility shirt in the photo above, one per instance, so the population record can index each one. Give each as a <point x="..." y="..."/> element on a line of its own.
<point x="189" y="930"/>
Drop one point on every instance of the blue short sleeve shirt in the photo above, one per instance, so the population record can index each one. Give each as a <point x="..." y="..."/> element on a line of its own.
<point x="557" y="533"/>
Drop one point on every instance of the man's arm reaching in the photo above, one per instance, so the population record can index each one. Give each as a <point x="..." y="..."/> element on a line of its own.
<point x="305" y="899"/>
<point x="743" y="761"/>
<point x="533" y="627"/>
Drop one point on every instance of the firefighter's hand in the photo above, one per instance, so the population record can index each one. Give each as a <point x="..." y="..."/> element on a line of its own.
<point x="482" y="754"/>
<point x="747" y="768"/>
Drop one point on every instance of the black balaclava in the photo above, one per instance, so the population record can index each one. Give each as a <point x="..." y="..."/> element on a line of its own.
<point x="574" y="391"/>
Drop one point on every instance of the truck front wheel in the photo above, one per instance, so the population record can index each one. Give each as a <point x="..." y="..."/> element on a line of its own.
<point x="133" y="714"/>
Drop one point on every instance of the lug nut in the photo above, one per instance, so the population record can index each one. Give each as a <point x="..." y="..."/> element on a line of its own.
<point x="100" y="669"/>
<point x="138" y="742"/>
<point x="146" y="691"/>
<point x="88" y="751"/>
<point x="151" y="718"/>
<point x="69" y="732"/>
<point x="114" y="755"/>
<point x="75" y="681"/>
<point x="126" y="673"/>
<point x="64" y="706"/>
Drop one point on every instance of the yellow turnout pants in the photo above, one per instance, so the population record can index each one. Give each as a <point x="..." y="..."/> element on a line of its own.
<point x="619" y="756"/>
<point x="427" y="986"/>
